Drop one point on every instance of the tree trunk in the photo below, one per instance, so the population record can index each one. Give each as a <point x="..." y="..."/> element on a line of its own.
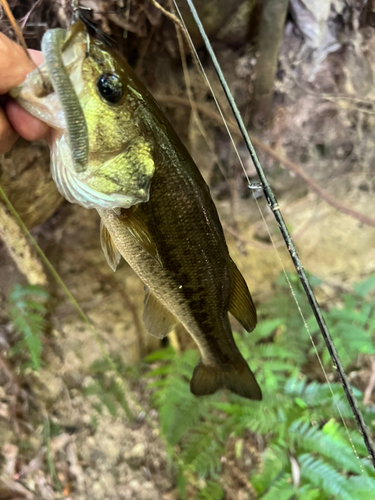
<point x="270" y="34"/>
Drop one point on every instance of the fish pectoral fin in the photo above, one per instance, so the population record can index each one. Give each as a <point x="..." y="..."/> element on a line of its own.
<point x="141" y="233"/>
<point x="241" y="304"/>
<point x="111" y="253"/>
<point x="236" y="377"/>
<point x="156" y="317"/>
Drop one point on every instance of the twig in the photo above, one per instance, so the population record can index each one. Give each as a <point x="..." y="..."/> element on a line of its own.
<point x="293" y="167"/>
<point x="138" y="324"/>
<point x="268" y="246"/>
<point x="371" y="383"/>
<point x="193" y="107"/>
<point x="168" y="14"/>
<point x="14" y="24"/>
<point x="20" y="249"/>
<point x="180" y="25"/>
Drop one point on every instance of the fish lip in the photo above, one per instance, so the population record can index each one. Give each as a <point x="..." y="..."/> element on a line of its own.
<point x="144" y="195"/>
<point x="15" y="92"/>
<point x="75" y="29"/>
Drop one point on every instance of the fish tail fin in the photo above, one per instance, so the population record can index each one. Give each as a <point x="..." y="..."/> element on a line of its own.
<point x="236" y="377"/>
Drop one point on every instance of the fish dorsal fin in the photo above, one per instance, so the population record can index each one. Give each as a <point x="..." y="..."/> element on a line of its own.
<point x="156" y="317"/>
<point x="140" y="231"/>
<point x="111" y="253"/>
<point x="241" y="304"/>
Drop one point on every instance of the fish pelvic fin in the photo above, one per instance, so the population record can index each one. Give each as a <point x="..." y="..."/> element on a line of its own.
<point x="241" y="304"/>
<point x="111" y="253"/>
<point x="156" y="317"/>
<point x="236" y="377"/>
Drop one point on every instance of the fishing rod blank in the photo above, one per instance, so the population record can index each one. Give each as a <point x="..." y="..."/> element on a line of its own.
<point x="272" y="202"/>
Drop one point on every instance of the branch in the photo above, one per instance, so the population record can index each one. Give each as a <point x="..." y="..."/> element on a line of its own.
<point x="288" y="164"/>
<point x="20" y="249"/>
<point x="270" y="34"/>
<point x="371" y="384"/>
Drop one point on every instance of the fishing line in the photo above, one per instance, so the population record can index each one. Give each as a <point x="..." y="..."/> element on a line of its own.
<point x="54" y="273"/>
<point x="190" y="477"/>
<point x="311" y="338"/>
<point x="211" y="90"/>
<point x="194" y="109"/>
<point x="272" y="202"/>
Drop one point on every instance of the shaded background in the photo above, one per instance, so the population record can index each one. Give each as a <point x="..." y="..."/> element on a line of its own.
<point x="303" y="79"/>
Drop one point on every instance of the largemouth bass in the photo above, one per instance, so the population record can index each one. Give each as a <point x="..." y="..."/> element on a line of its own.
<point x="172" y="237"/>
<point x="101" y="132"/>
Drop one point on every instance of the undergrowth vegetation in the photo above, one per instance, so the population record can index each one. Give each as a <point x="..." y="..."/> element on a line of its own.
<point x="292" y="445"/>
<point x="27" y="307"/>
<point x="300" y="442"/>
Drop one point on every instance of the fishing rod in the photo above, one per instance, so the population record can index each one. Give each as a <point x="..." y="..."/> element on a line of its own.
<point x="272" y="202"/>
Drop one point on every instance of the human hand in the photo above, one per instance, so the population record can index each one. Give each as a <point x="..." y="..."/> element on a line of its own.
<point x="14" y="121"/>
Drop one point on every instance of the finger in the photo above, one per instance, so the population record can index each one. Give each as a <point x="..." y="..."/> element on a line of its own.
<point x="14" y="64"/>
<point x="26" y="125"/>
<point x="7" y="135"/>
<point x="36" y="56"/>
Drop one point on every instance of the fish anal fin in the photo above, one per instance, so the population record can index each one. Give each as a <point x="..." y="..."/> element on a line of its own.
<point x="241" y="304"/>
<point x="156" y="317"/>
<point x="111" y="253"/>
<point x="140" y="231"/>
<point x="236" y="377"/>
<point x="206" y="379"/>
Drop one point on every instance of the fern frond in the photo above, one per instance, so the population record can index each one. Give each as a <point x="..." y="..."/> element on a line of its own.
<point x="275" y="462"/>
<point x="328" y="445"/>
<point x="361" y="487"/>
<point x="281" y="356"/>
<point x="283" y="489"/>
<point x="365" y="287"/>
<point x="307" y="492"/>
<point x="208" y="462"/>
<point x="324" y="476"/>
<point x="110" y="394"/>
<point x="203" y="448"/>
<point x="28" y="310"/>
<point x="211" y="491"/>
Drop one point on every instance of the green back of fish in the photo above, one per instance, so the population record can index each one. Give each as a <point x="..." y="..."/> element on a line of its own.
<point x="179" y="226"/>
<point x="183" y="223"/>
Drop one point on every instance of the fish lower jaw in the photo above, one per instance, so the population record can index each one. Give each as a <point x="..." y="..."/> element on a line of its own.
<point x="48" y="110"/>
<point x="79" y="192"/>
<point x="75" y="187"/>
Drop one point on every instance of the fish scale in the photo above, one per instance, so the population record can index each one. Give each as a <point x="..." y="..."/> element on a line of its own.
<point x="170" y="232"/>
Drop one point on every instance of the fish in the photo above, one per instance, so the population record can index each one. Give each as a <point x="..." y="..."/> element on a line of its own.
<point x="111" y="163"/>
<point x="171" y="235"/>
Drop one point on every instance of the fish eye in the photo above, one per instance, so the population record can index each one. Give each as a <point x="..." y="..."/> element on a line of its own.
<point x="110" y="87"/>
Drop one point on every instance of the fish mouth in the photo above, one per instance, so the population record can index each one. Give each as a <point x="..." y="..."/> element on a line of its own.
<point x="36" y="94"/>
<point x="75" y="29"/>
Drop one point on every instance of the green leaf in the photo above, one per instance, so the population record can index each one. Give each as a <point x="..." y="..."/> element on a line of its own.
<point x="211" y="491"/>
<point x="365" y="287"/>
<point x="27" y="310"/>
